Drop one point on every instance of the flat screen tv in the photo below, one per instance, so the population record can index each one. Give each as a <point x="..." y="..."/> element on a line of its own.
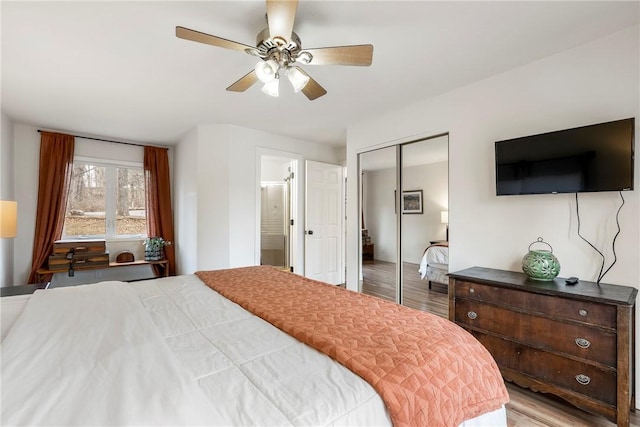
<point x="585" y="159"/>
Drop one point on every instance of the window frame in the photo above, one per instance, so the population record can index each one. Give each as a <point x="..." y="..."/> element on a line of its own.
<point x="110" y="199"/>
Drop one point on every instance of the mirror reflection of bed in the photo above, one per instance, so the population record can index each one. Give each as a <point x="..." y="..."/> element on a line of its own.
<point x="434" y="264"/>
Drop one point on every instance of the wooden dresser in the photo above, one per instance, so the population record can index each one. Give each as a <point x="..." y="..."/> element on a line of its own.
<point x="576" y="342"/>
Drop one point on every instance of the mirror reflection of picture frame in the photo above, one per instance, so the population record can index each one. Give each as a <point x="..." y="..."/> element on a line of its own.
<point x="412" y="202"/>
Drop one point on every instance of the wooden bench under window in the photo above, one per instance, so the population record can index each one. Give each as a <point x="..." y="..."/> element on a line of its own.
<point x="163" y="264"/>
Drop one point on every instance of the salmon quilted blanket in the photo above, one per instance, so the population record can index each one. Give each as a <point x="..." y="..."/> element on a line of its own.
<point x="428" y="370"/>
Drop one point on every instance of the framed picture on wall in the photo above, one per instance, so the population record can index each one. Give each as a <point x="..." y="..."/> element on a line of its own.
<point x="412" y="202"/>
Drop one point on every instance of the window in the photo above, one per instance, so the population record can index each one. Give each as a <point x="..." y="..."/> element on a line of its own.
<point x="106" y="200"/>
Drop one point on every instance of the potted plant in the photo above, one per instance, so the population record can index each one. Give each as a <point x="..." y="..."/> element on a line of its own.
<point x="154" y="248"/>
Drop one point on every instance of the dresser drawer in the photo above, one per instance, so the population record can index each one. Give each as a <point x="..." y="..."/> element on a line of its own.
<point x="585" y="342"/>
<point x="576" y="342"/>
<point x="561" y="308"/>
<point x="582" y="378"/>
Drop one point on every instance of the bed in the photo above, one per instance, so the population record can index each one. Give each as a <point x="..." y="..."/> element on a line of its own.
<point x="176" y="351"/>
<point x="434" y="264"/>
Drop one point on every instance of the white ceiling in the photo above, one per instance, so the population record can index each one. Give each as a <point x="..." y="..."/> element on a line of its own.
<point x="116" y="69"/>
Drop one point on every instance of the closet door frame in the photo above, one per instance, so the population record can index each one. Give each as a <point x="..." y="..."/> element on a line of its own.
<point x="398" y="209"/>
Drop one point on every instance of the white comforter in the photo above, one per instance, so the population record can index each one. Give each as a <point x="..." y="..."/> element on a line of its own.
<point x="168" y="352"/>
<point x="435" y="257"/>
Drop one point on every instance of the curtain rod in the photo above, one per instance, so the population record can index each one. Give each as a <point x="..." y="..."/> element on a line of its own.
<point x="107" y="140"/>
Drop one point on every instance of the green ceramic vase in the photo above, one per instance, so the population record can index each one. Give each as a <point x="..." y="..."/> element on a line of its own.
<point x="541" y="264"/>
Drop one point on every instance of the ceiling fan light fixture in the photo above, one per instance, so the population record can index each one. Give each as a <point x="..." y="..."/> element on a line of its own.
<point x="267" y="70"/>
<point x="254" y="52"/>
<point x="279" y="41"/>
<point x="279" y="48"/>
<point x="304" y="57"/>
<point x="297" y="78"/>
<point x="272" y="88"/>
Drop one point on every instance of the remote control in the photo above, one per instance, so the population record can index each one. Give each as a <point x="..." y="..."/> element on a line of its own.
<point x="571" y="280"/>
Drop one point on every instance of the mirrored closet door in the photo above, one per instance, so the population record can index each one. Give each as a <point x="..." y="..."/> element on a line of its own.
<point x="378" y="223"/>
<point x="404" y="233"/>
<point x="425" y="251"/>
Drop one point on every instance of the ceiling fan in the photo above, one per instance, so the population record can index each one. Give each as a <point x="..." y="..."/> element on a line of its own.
<point x="280" y="49"/>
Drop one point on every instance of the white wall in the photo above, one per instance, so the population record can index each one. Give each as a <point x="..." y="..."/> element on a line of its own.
<point x="27" y="156"/>
<point x="6" y="193"/>
<point x="185" y="190"/>
<point x="379" y="213"/>
<point x="592" y="83"/>
<point x="212" y="169"/>
<point x="274" y="169"/>
<point x="419" y="229"/>
<point x="223" y="171"/>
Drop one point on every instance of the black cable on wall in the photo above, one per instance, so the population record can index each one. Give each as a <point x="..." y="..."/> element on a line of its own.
<point x="613" y="244"/>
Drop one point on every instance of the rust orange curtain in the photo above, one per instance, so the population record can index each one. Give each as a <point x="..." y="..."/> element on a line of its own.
<point x="158" y="190"/>
<point x="56" y="165"/>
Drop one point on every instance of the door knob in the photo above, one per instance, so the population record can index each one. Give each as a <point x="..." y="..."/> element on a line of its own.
<point x="309" y="232"/>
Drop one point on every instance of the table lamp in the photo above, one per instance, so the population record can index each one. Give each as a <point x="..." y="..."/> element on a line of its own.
<point x="8" y="219"/>
<point x="444" y="218"/>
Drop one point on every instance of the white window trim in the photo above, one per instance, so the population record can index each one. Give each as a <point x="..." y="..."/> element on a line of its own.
<point x="110" y="199"/>
<point x="105" y="162"/>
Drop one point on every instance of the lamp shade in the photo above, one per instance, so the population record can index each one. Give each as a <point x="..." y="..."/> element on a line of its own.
<point x="8" y="219"/>
<point x="272" y="88"/>
<point x="266" y="70"/>
<point x="444" y="217"/>
<point x="297" y="78"/>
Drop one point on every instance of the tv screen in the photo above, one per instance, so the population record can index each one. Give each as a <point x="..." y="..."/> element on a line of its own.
<point x="586" y="159"/>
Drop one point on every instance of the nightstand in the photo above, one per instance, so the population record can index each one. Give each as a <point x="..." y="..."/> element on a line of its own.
<point x="367" y="252"/>
<point x="9" y="291"/>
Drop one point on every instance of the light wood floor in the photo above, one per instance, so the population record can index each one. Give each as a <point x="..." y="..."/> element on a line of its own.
<point x="526" y="408"/>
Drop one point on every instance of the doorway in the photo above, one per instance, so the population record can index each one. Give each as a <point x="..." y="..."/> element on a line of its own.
<point x="277" y="211"/>
<point x="274" y="231"/>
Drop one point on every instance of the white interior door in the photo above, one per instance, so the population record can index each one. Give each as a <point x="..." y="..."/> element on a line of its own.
<point x="323" y="222"/>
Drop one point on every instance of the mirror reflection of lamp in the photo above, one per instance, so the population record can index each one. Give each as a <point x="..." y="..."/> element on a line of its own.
<point x="444" y="218"/>
<point x="8" y="219"/>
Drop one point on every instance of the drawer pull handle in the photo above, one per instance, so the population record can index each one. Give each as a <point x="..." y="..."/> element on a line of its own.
<point x="582" y="312"/>
<point x="583" y="343"/>
<point x="583" y="379"/>
<point x="472" y="315"/>
<point x="471" y="290"/>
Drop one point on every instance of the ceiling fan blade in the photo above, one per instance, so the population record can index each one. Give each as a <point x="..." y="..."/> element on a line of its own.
<point x="197" y="36"/>
<point x="280" y="17"/>
<point x="312" y="89"/>
<point x="244" y="82"/>
<point x="342" y="55"/>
